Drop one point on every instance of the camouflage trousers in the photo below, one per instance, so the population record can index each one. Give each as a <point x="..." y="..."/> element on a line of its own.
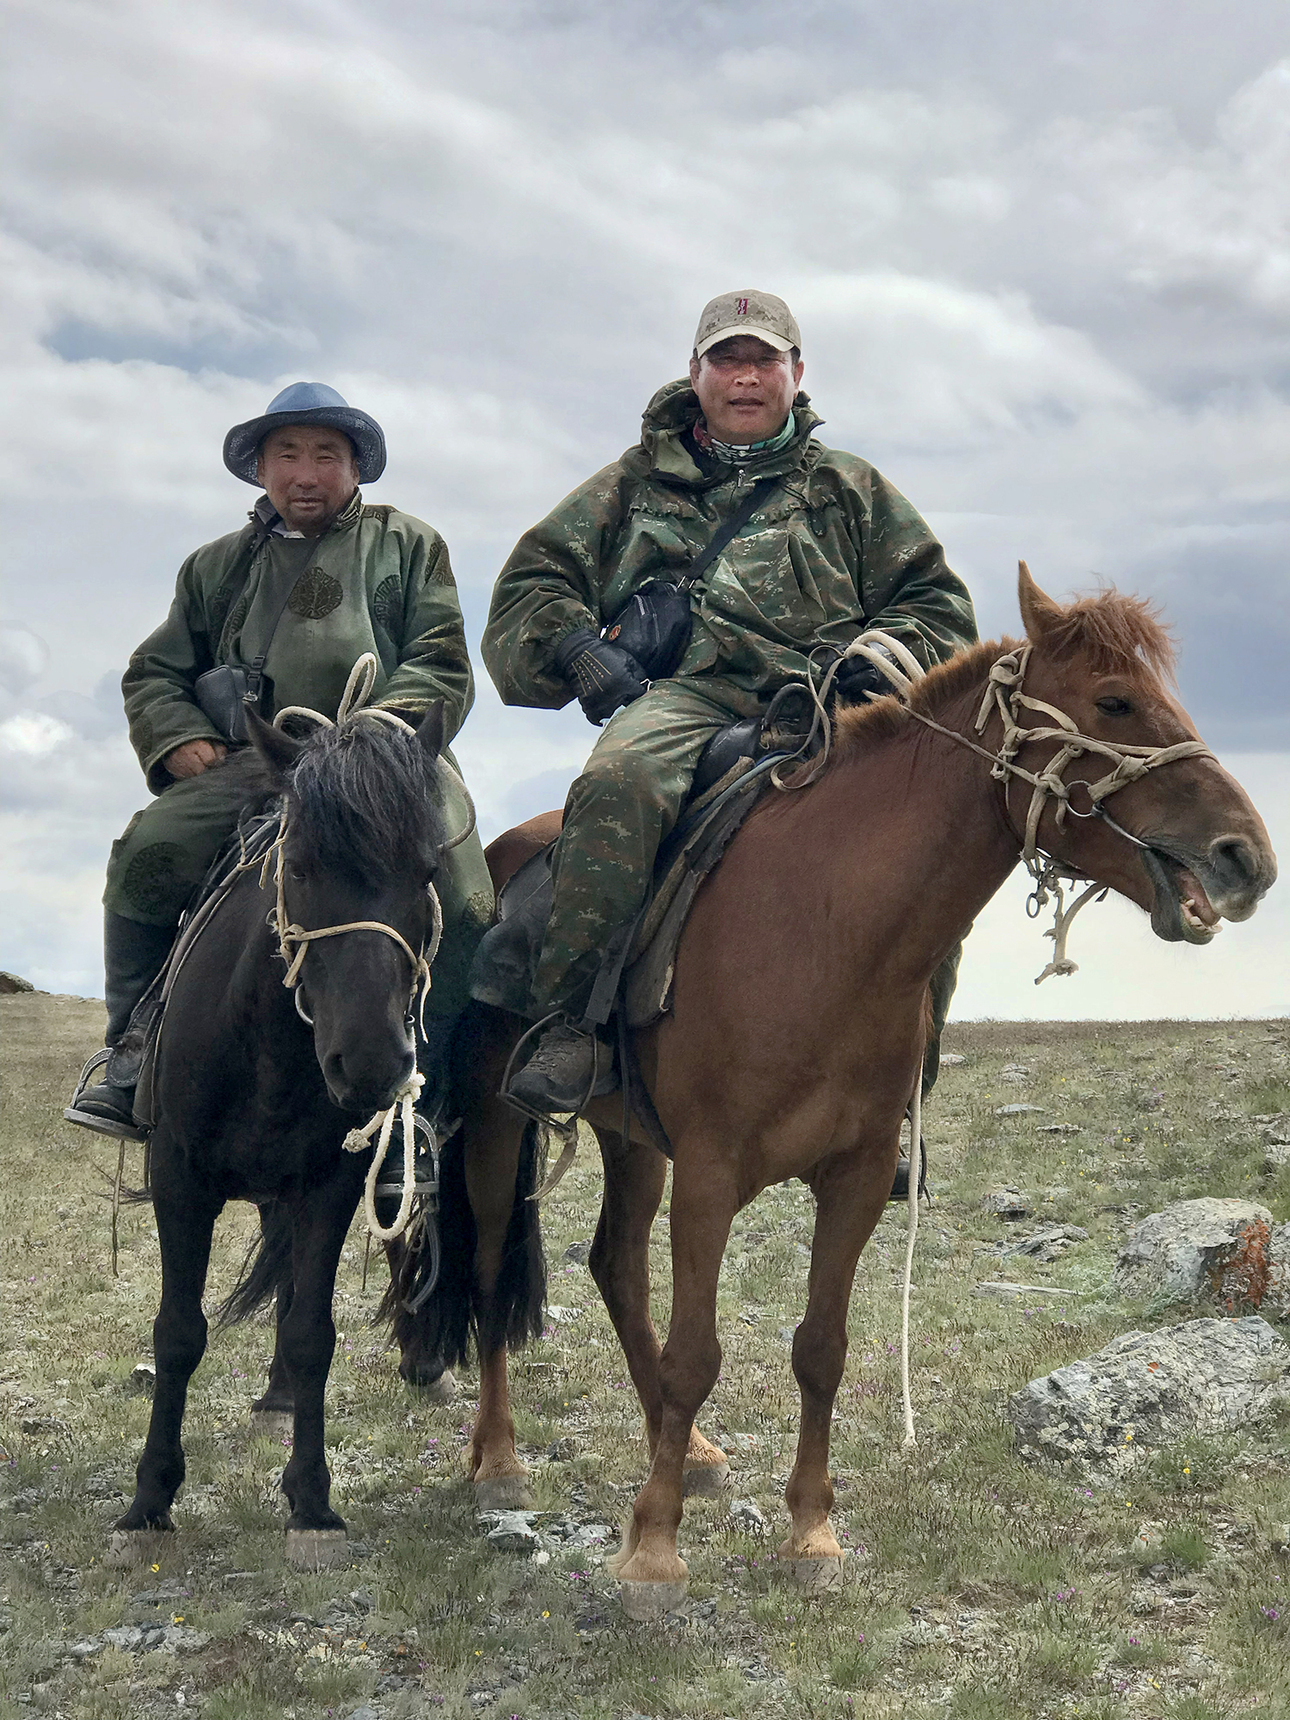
<point x="167" y="848"/>
<point x="618" y="813"/>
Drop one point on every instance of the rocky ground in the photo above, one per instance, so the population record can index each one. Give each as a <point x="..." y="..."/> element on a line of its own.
<point x="992" y="1573"/>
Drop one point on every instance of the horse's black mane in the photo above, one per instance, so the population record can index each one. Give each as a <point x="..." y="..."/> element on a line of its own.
<point x="366" y="798"/>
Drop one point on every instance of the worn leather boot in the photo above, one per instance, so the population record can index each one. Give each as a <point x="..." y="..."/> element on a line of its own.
<point x="561" y="1075"/>
<point x="133" y="956"/>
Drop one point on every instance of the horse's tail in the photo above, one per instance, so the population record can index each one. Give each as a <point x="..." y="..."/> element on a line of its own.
<point x="267" y="1263"/>
<point x="455" y="1319"/>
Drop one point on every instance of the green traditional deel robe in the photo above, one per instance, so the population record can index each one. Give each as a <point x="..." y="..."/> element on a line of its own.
<point x="834" y="550"/>
<point x="377" y="580"/>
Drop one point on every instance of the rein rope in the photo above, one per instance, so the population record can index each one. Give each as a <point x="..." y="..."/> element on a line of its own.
<point x="294" y="941"/>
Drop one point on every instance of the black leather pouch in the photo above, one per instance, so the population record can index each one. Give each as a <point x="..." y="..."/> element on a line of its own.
<point x="221" y="693"/>
<point x="654" y="628"/>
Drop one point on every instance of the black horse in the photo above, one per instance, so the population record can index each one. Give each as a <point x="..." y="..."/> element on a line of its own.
<point x="257" y="1085"/>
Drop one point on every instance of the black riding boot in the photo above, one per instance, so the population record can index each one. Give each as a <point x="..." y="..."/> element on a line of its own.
<point x="133" y="955"/>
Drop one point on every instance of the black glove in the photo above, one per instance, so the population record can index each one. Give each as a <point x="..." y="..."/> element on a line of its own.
<point x="857" y="676"/>
<point x="604" y="676"/>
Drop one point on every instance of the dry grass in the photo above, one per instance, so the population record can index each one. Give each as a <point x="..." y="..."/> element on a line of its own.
<point x="979" y="1587"/>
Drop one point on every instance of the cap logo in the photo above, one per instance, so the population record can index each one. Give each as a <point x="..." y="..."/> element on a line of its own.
<point x="741" y="307"/>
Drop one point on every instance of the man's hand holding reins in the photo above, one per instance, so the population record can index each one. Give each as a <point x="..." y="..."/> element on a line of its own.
<point x="604" y="676"/>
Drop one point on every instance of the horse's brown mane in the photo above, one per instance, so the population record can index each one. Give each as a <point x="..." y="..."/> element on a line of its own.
<point x="1116" y="632"/>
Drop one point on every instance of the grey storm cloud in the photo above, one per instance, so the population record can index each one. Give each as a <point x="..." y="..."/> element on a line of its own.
<point x="1041" y="258"/>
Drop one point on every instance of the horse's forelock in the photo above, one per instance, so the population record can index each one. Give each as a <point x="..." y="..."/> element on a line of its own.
<point x="365" y="798"/>
<point x="1117" y="632"/>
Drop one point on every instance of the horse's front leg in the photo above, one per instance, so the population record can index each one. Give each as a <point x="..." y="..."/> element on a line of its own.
<point x="307" y="1338"/>
<point x="634" y="1179"/>
<point x="850" y="1193"/>
<point x="704" y="1202"/>
<point x="271" y="1414"/>
<point x="184" y="1228"/>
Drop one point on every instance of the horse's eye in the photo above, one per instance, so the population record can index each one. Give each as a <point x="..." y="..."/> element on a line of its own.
<point x="297" y="874"/>
<point x="1113" y="706"/>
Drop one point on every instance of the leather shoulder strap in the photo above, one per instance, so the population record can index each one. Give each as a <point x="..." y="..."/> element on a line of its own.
<point x="729" y="530"/>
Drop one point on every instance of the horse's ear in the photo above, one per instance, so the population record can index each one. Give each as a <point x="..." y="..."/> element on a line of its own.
<point x="430" y="730"/>
<point x="278" y="750"/>
<point x="1038" y="611"/>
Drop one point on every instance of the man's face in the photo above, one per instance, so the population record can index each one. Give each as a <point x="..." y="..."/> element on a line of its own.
<point x="745" y="388"/>
<point x="309" y="473"/>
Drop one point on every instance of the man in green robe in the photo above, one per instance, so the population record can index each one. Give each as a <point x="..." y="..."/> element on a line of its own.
<point x="317" y="578"/>
<point x="831" y="550"/>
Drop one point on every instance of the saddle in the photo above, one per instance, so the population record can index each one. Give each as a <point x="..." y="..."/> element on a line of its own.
<point x="636" y="971"/>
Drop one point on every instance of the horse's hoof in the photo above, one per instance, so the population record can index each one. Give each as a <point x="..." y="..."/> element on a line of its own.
<point x="129" y="1547"/>
<point x="443" y="1388"/>
<point x="503" y="1493"/>
<point x="646" y="1603"/>
<point x="705" y="1480"/>
<point x="317" y="1549"/>
<point x="272" y="1424"/>
<point x="818" y="1575"/>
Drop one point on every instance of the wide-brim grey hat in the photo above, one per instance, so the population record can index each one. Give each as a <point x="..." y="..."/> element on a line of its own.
<point x="307" y="403"/>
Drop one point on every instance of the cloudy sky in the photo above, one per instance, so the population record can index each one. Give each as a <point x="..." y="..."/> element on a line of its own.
<point x="1040" y="255"/>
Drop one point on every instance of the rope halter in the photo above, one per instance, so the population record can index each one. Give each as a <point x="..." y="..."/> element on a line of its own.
<point x="294" y="941"/>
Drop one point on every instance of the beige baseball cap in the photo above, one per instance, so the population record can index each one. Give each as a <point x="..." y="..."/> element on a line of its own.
<point x="747" y="312"/>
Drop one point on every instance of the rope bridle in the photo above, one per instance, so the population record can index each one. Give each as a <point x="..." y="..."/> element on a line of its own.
<point x="1004" y="696"/>
<point x="294" y="941"/>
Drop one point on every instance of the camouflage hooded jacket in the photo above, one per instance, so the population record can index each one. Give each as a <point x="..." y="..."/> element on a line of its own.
<point x="377" y="580"/>
<point x="833" y="550"/>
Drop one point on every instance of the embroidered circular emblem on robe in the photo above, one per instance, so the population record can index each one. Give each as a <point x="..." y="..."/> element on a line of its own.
<point x="155" y="880"/>
<point x="315" y="594"/>
<point x="387" y="605"/>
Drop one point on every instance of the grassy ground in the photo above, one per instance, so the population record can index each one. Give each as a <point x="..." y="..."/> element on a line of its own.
<point x="979" y="1587"/>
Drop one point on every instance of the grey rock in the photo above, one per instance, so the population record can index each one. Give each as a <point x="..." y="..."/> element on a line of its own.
<point x="1276" y="1157"/>
<point x="746" y="1515"/>
<point x="366" y="1712"/>
<point x="1181" y="1252"/>
<point x="562" y="1316"/>
<point x="1059" y="1129"/>
<point x="1048" y="1242"/>
<point x="952" y="1059"/>
<point x="1010" y="1292"/>
<point x="11" y="983"/>
<point x="591" y="1535"/>
<point x="510" y="1531"/>
<point x="1020" y="1111"/>
<point x="578" y="1252"/>
<point x="1007" y="1202"/>
<point x="562" y="1450"/>
<point x="1015" y="1073"/>
<point x="142" y="1379"/>
<point x="1148" y="1388"/>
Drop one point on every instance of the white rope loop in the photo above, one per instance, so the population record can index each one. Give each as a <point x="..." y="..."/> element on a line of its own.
<point x="358" y="1139"/>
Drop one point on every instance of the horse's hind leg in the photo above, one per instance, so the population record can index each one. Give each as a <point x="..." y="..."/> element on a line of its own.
<point x="619" y="1262"/>
<point x="307" y="1337"/>
<point x="850" y="1196"/>
<point x="184" y="1228"/>
<point x="496" y="1146"/>
<point x="271" y="1414"/>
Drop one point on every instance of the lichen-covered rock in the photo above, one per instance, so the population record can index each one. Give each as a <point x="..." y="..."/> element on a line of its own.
<point x="1148" y="1388"/>
<point x="1183" y="1252"/>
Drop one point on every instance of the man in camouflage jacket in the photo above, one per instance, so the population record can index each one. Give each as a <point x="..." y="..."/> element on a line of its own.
<point x="832" y="550"/>
<point x="355" y="577"/>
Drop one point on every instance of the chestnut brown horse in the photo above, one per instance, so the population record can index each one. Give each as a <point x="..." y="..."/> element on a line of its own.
<point x="798" y="1012"/>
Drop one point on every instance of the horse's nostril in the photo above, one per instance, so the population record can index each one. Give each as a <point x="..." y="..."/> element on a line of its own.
<point x="1235" y="862"/>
